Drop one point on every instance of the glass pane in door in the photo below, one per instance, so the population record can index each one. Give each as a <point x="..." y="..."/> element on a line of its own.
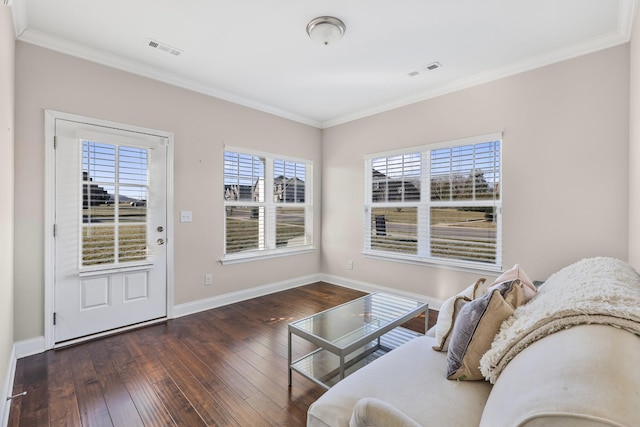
<point x="115" y="192"/>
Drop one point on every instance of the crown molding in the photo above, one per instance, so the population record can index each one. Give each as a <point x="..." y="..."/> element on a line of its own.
<point x="592" y="46"/>
<point x="627" y="11"/>
<point x="626" y="17"/>
<point x="114" y="61"/>
<point x="19" y="13"/>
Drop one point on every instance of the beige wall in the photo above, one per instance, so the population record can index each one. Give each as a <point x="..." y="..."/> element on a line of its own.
<point x="564" y="124"/>
<point x="201" y="125"/>
<point x="565" y="169"/>
<point x="634" y="148"/>
<point x="7" y="62"/>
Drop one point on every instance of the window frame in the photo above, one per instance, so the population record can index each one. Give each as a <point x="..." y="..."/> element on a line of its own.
<point x="424" y="205"/>
<point x="271" y="250"/>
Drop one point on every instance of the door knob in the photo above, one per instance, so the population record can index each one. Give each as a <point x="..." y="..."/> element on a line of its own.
<point x="160" y="241"/>
<point x="160" y="229"/>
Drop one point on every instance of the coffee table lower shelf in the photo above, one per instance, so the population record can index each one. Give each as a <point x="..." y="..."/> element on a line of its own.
<point x="323" y="367"/>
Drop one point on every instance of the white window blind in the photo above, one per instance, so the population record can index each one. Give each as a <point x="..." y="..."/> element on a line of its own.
<point x="114" y="204"/>
<point x="289" y="190"/>
<point x="438" y="204"/>
<point x="244" y="202"/>
<point x="268" y="207"/>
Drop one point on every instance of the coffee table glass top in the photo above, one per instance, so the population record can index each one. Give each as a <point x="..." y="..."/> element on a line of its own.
<point x="349" y="322"/>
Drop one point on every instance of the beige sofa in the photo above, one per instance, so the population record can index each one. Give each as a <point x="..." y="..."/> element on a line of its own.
<point x="574" y="368"/>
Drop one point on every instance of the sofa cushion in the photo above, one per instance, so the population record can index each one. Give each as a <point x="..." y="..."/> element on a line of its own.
<point x="410" y="378"/>
<point x="451" y="307"/>
<point x="445" y="327"/>
<point x="450" y="310"/>
<point x="515" y="272"/>
<point x="477" y="324"/>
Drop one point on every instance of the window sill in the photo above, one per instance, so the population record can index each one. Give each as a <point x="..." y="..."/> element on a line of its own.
<point x="467" y="267"/>
<point x="256" y="256"/>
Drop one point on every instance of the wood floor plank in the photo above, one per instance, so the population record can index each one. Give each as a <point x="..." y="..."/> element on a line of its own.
<point x="275" y="389"/>
<point x="199" y="369"/>
<point x="210" y="352"/>
<point x="91" y="404"/>
<point x="121" y="407"/>
<point x="272" y="413"/>
<point x="150" y="407"/>
<point x="63" y="410"/>
<point x="18" y="387"/>
<point x="178" y="406"/>
<point x="199" y="396"/>
<point x="35" y="405"/>
<point x="242" y="412"/>
<point x="221" y="367"/>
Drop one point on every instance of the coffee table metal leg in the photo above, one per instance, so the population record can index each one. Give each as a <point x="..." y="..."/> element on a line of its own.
<point x="289" y="347"/>
<point x="426" y="320"/>
<point x="341" y="365"/>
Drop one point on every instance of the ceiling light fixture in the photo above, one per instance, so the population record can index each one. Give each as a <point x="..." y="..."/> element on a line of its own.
<point x="326" y="29"/>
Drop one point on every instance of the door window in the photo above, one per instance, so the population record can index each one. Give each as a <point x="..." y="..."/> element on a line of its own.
<point x="114" y="204"/>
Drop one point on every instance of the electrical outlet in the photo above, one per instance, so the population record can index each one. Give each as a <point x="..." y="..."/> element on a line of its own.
<point x="208" y="279"/>
<point x="349" y="265"/>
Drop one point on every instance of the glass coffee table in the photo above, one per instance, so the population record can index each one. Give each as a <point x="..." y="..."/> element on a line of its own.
<point x="352" y="335"/>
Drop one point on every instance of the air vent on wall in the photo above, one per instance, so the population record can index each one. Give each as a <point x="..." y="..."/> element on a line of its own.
<point x="163" y="47"/>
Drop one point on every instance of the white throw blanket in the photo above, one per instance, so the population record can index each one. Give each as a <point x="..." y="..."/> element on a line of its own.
<point x="592" y="291"/>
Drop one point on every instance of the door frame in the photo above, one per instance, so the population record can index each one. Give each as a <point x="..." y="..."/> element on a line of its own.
<point x="50" y="117"/>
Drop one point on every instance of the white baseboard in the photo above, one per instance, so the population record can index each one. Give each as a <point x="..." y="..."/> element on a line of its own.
<point x="37" y="345"/>
<point x="29" y="347"/>
<point x="20" y="349"/>
<point x="369" y="287"/>
<point x="233" y="297"/>
<point x="7" y="388"/>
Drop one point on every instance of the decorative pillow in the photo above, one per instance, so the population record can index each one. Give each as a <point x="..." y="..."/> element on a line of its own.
<point x="477" y="324"/>
<point x="449" y="311"/>
<point x="516" y="272"/>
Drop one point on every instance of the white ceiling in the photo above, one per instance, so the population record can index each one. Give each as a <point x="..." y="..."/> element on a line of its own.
<point x="257" y="53"/>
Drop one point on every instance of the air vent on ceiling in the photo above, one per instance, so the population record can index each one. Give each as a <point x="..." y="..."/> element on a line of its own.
<point x="430" y="67"/>
<point x="163" y="47"/>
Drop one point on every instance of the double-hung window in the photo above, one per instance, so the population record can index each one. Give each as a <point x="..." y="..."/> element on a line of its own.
<point x="268" y="205"/>
<point x="438" y="204"/>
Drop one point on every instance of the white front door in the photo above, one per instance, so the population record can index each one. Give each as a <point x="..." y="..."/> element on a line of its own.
<point x="110" y="229"/>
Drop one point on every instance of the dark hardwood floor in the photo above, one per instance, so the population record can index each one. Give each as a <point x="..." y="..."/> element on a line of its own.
<point x="221" y="367"/>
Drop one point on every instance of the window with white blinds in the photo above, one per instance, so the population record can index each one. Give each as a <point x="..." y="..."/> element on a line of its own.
<point x="114" y="204"/>
<point x="439" y="203"/>
<point x="268" y="205"/>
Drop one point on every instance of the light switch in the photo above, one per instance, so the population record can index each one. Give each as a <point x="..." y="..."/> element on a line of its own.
<point x="185" y="216"/>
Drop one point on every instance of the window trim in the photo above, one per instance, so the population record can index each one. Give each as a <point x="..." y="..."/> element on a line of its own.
<point x="424" y="205"/>
<point x="271" y="251"/>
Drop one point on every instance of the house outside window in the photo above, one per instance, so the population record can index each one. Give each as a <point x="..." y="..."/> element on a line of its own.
<point x="438" y="204"/>
<point x="268" y="205"/>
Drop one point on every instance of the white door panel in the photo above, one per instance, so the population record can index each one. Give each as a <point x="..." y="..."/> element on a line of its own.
<point x="110" y="216"/>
